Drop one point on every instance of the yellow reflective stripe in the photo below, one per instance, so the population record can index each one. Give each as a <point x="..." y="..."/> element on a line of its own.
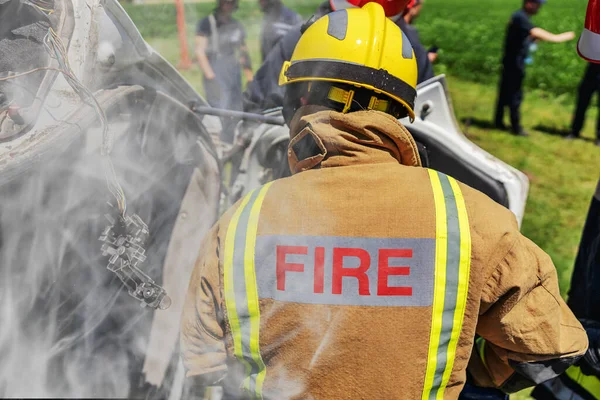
<point x="241" y="292"/>
<point x="480" y="344"/>
<point x="589" y="382"/>
<point x="441" y="244"/>
<point x="451" y="282"/>
<point x="463" y="282"/>
<point x="230" y="305"/>
<point x="252" y="290"/>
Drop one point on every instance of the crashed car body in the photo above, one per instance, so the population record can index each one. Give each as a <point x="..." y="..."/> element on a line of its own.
<point x="90" y="114"/>
<point x="69" y="326"/>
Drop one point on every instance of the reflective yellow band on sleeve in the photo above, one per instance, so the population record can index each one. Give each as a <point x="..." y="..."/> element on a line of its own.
<point x="241" y="293"/>
<point x="589" y="382"/>
<point x="439" y="286"/>
<point x="480" y="346"/>
<point x="452" y="271"/>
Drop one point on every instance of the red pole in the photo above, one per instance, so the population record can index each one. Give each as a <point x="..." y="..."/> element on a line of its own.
<point x="184" y="62"/>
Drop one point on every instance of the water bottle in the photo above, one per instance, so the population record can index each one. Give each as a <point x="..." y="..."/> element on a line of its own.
<point x="532" y="49"/>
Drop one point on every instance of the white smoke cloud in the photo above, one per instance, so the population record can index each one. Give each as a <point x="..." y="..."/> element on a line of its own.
<point x="68" y="326"/>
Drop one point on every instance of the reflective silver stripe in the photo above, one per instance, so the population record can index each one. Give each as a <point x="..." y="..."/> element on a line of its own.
<point x="240" y="289"/>
<point x="452" y="269"/>
<point x="214" y="34"/>
<point x="239" y="284"/>
<point x="337" y="24"/>
<point x="282" y="25"/>
<point x="407" y="50"/>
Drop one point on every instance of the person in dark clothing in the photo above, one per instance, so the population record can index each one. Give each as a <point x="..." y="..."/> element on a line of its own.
<point x="521" y="36"/>
<point x="589" y="85"/>
<point x="582" y="381"/>
<point x="424" y="58"/>
<point x="222" y="54"/>
<point x="264" y="92"/>
<point x="278" y="21"/>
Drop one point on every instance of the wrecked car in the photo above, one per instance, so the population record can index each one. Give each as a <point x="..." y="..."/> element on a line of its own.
<point x="110" y="179"/>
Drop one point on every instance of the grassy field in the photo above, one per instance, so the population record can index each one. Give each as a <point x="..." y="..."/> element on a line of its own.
<point x="469" y="34"/>
<point x="562" y="174"/>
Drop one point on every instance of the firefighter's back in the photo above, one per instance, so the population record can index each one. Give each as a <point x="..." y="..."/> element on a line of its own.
<point x="350" y="302"/>
<point x="364" y="275"/>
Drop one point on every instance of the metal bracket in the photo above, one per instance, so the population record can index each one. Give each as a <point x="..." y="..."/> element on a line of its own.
<point x="123" y="241"/>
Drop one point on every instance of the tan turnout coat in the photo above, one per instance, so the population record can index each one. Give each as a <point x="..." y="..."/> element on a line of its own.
<point x="366" y="276"/>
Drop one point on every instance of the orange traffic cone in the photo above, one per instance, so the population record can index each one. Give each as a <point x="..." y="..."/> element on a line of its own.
<point x="184" y="60"/>
<point x="588" y="46"/>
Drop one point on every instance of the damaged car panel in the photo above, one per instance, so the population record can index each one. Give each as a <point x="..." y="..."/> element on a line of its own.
<point x="82" y="64"/>
<point x="110" y="96"/>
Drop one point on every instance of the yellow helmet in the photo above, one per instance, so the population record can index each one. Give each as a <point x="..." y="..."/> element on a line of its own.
<point x="364" y="58"/>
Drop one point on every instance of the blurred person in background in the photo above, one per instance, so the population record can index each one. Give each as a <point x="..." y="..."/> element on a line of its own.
<point x="222" y="54"/>
<point x="278" y="21"/>
<point x="521" y="36"/>
<point x="424" y="58"/>
<point x="589" y="85"/>
<point x="264" y="92"/>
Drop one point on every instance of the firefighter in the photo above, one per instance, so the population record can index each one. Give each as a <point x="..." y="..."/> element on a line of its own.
<point x="582" y="381"/>
<point x="364" y="275"/>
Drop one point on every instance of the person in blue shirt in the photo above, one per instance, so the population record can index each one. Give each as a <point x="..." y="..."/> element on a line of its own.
<point x="582" y="381"/>
<point x="521" y="36"/>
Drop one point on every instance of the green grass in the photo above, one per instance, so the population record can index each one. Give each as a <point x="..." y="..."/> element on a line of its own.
<point x="158" y="20"/>
<point x="470" y="34"/>
<point x="562" y="174"/>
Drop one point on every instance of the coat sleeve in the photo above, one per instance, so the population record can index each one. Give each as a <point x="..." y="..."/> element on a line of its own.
<point x="527" y="333"/>
<point x="202" y="324"/>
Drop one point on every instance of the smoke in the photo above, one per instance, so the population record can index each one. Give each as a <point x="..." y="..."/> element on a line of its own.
<point x="63" y="313"/>
<point x="69" y="327"/>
